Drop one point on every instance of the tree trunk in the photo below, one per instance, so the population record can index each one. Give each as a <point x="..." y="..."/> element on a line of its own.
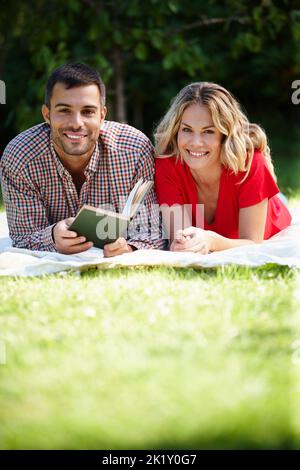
<point x="138" y="120"/>
<point x="120" y="101"/>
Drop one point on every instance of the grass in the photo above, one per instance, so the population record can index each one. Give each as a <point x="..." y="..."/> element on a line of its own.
<point x="151" y="358"/>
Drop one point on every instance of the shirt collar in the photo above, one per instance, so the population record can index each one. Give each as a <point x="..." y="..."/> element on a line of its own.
<point x="62" y="171"/>
<point x="94" y="160"/>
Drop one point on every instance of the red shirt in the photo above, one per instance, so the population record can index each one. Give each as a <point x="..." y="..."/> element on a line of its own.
<point x="175" y="185"/>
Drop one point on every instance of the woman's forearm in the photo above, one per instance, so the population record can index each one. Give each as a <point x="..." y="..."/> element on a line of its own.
<point x="219" y="243"/>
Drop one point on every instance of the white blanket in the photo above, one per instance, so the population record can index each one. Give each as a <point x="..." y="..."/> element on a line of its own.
<point x="282" y="249"/>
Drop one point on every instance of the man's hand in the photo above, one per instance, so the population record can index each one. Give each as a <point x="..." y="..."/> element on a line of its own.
<point x="193" y="239"/>
<point x="66" y="241"/>
<point x="116" y="248"/>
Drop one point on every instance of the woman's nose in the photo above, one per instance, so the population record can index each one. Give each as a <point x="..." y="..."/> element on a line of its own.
<point x="197" y="140"/>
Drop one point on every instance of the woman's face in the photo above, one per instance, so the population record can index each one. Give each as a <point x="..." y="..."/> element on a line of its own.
<point x="198" y="140"/>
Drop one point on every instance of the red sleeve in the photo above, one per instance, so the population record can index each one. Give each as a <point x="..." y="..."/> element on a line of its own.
<point x="167" y="182"/>
<point x="259" y="183"/>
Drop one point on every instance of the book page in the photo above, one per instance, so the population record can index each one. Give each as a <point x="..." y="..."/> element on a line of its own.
<point x="127" y="208"/>
<point x="139" y="197"/>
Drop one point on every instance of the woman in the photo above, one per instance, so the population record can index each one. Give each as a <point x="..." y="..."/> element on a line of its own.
<point x="211" y="157"/>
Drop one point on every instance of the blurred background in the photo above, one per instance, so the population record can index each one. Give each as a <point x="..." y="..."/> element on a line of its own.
<point x="146" y="51"/>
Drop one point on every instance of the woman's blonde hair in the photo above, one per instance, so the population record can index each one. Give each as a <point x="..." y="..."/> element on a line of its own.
<point x="240" y="136"/>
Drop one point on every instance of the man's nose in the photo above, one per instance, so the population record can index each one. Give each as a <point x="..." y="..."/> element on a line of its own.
<point x="76" y="120"/>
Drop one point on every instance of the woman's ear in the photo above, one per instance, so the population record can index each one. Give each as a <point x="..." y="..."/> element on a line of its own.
<point x="46" y="113"/>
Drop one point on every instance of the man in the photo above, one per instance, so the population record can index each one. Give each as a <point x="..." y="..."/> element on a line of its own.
<point x="75" y="157"/>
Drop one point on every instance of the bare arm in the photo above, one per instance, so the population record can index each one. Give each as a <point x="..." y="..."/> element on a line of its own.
<point x="252" y="221"/>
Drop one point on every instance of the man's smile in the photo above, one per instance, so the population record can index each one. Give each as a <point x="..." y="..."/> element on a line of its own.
<point x="75" y="136"/>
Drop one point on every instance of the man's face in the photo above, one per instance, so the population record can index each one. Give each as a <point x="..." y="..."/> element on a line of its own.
<point x="75" y="117"/>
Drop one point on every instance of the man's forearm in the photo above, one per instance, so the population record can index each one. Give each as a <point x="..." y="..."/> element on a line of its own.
<point x="41" y="240"/>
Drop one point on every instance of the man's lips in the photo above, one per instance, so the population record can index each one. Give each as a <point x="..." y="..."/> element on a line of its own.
<point x="74" y="136"/>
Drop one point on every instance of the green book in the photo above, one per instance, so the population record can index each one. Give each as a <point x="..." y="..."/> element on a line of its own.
<point x="102" y="226"/>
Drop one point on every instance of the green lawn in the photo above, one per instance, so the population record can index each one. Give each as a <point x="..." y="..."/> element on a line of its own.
<point x="151" y="358"/>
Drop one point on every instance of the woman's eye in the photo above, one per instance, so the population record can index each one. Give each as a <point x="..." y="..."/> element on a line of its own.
<point x="208" y="131"/>
<point x="186" y="129"/>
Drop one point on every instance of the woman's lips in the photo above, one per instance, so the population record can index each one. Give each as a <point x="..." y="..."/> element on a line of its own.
<point x="198" y="154"/>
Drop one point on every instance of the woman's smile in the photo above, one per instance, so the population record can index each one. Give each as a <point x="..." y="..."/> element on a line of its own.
<point x="198" y="140"/>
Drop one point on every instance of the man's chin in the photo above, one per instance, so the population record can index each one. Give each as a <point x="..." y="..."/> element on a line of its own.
<point x="75" y="153"/>
<point x="70" y="150"/>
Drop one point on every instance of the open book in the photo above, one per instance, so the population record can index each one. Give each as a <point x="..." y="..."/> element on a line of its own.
<point x="102" y="226"/>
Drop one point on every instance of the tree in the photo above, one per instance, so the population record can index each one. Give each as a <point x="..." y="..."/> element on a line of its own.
<point x="146" y="51"/>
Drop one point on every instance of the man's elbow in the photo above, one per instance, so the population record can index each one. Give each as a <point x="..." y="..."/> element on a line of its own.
<point x="28" y="244"/>
<point x="21" y="243"/>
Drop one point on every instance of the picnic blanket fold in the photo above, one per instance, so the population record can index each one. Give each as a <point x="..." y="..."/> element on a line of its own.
<point x="282" y="249"/>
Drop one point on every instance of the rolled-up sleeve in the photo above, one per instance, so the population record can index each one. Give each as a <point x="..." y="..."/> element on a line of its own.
<point x="27" y="220"/>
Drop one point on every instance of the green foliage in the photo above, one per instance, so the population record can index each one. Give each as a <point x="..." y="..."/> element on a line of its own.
<point x="162" y="46"/>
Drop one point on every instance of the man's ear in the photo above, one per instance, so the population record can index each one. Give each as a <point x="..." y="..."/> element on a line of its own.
<point x="103" y="113"/>
<point x="46" y="113"/>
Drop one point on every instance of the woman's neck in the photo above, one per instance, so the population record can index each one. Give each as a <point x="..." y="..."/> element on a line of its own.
<point x="207" y="177"/>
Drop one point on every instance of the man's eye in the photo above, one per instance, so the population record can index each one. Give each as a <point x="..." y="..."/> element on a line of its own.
<point x="89" y="112"/>
<point x="64" y="110"/>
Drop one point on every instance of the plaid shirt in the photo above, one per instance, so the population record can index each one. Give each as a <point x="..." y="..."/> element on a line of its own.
<point x="38" y="191"/>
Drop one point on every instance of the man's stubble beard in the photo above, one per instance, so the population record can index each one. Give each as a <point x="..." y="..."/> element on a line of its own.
<point x="69" y="150"/>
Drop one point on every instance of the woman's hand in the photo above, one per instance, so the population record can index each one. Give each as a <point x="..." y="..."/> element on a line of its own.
<point x="193" y="239"/>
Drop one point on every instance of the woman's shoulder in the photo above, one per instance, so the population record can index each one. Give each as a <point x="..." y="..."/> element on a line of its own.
<point x="258" y="157"/>
<point x="169" y="168"/>
<point x="258" y="166"/>
<point x="168" y="162"/>
<point x="242" y="177"/>
<point x="258" y="161"/>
